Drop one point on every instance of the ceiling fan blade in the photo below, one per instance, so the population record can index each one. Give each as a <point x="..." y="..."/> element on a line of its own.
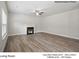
<point x="41" y="13"/>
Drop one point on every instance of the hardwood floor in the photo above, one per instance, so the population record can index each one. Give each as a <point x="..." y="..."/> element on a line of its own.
<point x="41" y="42"/>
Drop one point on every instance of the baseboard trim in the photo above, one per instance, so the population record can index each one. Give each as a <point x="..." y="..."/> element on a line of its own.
<point x="70" y="37"/>
<point x="66" y="36"/>
<point x="17" y="34"/>
<point x="49" y="33"/>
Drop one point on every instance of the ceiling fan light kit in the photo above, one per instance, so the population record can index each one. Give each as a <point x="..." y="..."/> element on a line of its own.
<point x="38" y="12"/>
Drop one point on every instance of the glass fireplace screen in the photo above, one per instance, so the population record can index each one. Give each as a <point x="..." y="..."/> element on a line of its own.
<point x="30" y="30"/>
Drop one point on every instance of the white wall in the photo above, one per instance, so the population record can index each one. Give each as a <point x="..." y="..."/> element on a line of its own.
<point x="64" y="24"/>
<point x="2" y="42"/>
<point x="19" y="22"/>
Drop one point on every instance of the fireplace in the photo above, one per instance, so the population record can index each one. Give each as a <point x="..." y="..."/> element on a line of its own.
<point x="30" y="30"/>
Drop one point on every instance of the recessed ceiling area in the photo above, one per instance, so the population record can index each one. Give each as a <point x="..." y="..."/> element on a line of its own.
<point x="48" y="7"/>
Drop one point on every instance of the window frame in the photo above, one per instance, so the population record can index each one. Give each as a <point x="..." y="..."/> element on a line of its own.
<point x="4" y="24"/>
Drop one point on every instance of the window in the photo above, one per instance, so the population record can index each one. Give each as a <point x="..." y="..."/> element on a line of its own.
<point x="4" y="24"/>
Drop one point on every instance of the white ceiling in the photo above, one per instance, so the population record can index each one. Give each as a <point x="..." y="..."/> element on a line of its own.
<point x="49" y="7"/>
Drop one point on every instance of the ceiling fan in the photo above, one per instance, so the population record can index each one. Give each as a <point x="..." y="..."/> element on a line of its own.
<point x="38" y="12"/>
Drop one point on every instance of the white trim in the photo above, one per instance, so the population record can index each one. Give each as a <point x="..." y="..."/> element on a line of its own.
<point x="17" y="34"/>
<point x="67" y="36"/>
<point x="21" y="34"/>
<point x="49" y="33"/>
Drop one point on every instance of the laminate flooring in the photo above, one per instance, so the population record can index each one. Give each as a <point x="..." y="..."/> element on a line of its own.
<point x="41" y="42"/>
